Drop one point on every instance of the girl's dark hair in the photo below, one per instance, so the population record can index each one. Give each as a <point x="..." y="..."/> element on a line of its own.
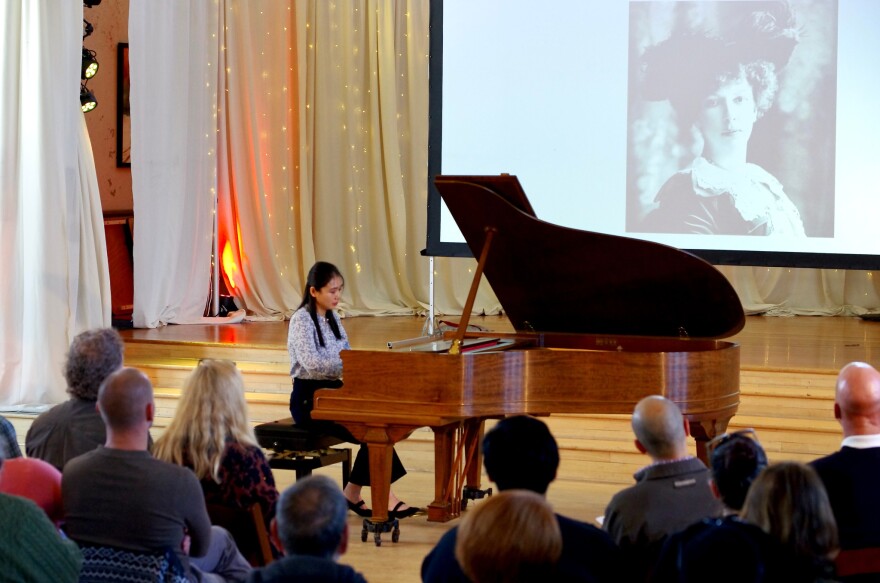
<point x="319" y="276"/>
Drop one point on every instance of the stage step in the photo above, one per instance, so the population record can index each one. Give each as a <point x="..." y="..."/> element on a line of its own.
<point x="260" y="376"/>
<point x="149" y="349"/>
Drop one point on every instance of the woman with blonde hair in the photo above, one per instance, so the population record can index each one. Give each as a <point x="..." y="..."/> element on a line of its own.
<point x="512" y="537"/>
<point x="210" y="434"/>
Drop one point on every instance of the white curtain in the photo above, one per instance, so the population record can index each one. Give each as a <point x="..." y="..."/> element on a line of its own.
<point x="778" y="291"/>
<point x="173" y="60"/>
<point x="52" y="249"/>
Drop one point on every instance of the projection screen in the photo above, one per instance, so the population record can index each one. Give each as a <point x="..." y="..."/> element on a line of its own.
<point x="743" y="131"/>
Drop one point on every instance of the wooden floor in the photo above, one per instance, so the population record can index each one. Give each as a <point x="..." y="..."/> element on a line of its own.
<point x="788" y="368"/>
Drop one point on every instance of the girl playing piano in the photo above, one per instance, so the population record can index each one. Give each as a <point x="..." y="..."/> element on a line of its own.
<point x="314" y="340"/>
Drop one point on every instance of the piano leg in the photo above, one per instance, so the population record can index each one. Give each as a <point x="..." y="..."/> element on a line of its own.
<point x="441" y="509"/>
<point x="380" y="440"/>
<point x="379" y="446"/>
<point x="704" y="431"/>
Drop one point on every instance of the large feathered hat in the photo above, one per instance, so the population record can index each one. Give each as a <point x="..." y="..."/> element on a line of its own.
<point x="738" y="34"/>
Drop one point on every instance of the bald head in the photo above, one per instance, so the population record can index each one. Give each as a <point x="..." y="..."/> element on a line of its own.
<point x="659" y="428"/>
<point x="125" y="400"/>
<point x="857" y="399"/>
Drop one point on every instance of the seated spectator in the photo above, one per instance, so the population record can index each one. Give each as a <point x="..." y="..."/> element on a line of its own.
<point x="35" y="480"/>
<point x="852" y="475"/>
<point x="31" y="549"/>
<point x="210" y="434"/>
<point x="74" y="427"/>
<point x="789" y="503"/>
<point x="747" y="553"/>
<point x="669" y="495"/>
<point x="8" y="440"/>
<point x="121" y="496"/>
<point x="513" y="537"/>
<point x="521" y="453"/>
<point x="310" y="526"/>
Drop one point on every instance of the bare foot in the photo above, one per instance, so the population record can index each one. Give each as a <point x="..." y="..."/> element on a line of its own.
<point x="393" y="502"/>
<point x="352" y="493"/>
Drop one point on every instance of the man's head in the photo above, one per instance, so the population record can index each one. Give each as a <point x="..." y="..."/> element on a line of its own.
<point x="92" y="356"/>
<point x="125" y="401"/>
<point x="660" y="428"/>
<point x="520" y="452"/>
<point x="857" y="399"/>
<point x="736" y="462"/>
<point x="310" y="519"/>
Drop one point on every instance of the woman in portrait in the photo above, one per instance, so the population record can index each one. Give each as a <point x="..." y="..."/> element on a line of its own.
<point x="719" y="87"/>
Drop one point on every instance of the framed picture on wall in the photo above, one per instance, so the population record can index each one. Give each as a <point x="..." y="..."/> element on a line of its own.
<point x="123" y="111"/>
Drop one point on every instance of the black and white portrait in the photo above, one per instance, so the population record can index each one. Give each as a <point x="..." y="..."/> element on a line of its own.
<point x="731" y="118"/>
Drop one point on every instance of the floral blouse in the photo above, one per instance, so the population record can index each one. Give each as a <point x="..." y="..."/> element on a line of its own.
<point x="308" y="359"/>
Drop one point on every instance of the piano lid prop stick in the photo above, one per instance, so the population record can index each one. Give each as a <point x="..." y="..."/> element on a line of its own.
<point x="472" y="294"/>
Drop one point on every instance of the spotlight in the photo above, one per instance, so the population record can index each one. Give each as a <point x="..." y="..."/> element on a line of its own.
<point x="89" y="64"/>
<point x="87" y="99"/>
<point x="88" y="29"/>
<point x="90" y="3"/>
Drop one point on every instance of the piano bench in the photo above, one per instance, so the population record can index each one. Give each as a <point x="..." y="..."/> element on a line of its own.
<point x="298" y="449"/>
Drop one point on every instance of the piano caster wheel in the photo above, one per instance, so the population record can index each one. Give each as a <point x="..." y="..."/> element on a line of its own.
<point x="377" y="528"/>
<point x="468" y="493"/>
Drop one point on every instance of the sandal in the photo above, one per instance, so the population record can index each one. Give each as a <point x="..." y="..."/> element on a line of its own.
<point x="360" y="508"/>
<point x="395" y="513"/>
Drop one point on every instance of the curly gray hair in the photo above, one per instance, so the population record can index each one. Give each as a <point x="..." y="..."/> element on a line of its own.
<point x="92" y="356"/>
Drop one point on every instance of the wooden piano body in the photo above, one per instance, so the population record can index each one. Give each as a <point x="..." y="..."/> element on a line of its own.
<point x="604" y="322"/>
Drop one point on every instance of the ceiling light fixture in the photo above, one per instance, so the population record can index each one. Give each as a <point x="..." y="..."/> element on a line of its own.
<point x="87" y="99"/>
<point x="89" y="64"/>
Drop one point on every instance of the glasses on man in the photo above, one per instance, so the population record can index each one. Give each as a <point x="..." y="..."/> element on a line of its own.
<point x="720" y="440"/>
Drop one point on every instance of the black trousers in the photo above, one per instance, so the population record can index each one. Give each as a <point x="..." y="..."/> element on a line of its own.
<point x="302" y="400"/>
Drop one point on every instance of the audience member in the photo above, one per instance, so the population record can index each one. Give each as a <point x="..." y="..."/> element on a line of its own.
<point x="35" y="480"/>
<point x="121" y="496"/>
<point x="852" y="474"/>
<point x="513" y="537"/>
<point x="521" y="453"/>
<point x="31" y="549"/>
<point x="669" y="495"/>
<point x="310" y="526"/>
<point x="789" y="503"/>
<point x="8" y="441"/>
<point x="210" y="434"/>
<point x="726" y="550"/>
<point x="74" y="427"/>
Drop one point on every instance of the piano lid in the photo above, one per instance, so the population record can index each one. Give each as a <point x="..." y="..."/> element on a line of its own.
<point x="550" y="278"/>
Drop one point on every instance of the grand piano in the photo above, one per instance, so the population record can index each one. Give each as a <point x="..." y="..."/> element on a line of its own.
<point x="601" y="321"/>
